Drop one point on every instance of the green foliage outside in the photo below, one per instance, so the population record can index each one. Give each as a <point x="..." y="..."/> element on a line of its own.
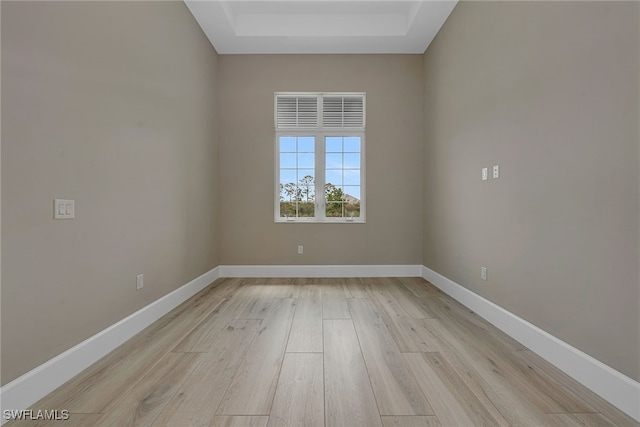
<point x="298" y="200"/>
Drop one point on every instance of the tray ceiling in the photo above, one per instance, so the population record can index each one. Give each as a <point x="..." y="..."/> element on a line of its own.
<point x="320" y="26"/>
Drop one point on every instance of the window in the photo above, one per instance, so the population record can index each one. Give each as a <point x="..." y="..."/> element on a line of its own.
<point x="320" y="157"/>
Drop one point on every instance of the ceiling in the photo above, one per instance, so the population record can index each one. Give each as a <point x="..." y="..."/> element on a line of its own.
<point x="320" y="26"/>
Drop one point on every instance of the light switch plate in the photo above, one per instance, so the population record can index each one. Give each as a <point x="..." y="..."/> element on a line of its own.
<point x="485" y="174"/>
<point x="64" y="209"/>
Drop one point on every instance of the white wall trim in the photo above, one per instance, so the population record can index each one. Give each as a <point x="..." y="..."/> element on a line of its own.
<point x="613" y="386"/>
<point x="40" y="381"/>
<point x="320" y="270"/>
<point x="618" y="389"/>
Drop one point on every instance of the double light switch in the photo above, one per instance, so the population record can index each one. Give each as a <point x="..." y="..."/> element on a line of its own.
<point x="495" y="172"/>
<point x="64" y="209"/>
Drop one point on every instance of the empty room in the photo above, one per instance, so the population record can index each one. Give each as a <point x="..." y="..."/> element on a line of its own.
<point x="320" y="213"/>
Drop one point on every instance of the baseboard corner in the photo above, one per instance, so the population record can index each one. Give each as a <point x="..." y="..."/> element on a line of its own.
<point x="613" y="386"/>
<point x="27" y="389"/>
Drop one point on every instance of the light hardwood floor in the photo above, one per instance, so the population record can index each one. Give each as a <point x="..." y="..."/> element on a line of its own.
<point x="324" y="352"/>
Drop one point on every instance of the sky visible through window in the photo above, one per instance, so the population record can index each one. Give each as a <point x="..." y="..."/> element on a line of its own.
<point x="342" y="161"/>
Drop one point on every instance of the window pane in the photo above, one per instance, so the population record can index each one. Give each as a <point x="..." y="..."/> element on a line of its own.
<point x="297" y="176"/>
<point x="352" y="160"/>
<point x="304" y="173"/>
<point x="343" y="172"/>
<point x="305" y="160"/>
<point x="306" y="209"/>
<point x="287" y="160"/>
<point x="352" y="210"/>
<point x="291" y="192"/>
<point x="287" y="209"/>
<point x="334" y="177"/>
<point x="351" y="177"/>
<point x="352" y="144"/>
<point x="333" y="144"/>
<point x="334" y="161"/>
<point x="306" y="144"/>
<point x="307" y="188"/>
<point x="288" y="176"/>
<point x="287" y="144"/>
<point x="334" y="209"/>
<point x="352" y="193"/>
<point x="335" y="201"/>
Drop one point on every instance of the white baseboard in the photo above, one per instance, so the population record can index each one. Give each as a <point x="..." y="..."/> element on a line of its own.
<point x="37" y="383"/>
<point x="320" y="270"/>
<point x="618" y="389"/>
<point x="40" y="381"/>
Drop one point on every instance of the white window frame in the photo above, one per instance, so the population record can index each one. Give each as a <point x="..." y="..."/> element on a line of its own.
<point x="320" y="134"/>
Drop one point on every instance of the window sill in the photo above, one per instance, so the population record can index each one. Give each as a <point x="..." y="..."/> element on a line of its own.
<point x="318" y="221"/>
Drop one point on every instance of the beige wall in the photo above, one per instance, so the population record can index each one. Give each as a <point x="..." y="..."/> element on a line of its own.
<point x="393" y="231"/>
<point x="110" y="104"/>
<point x="549" y="91"/>
<point x="114" y="105"/>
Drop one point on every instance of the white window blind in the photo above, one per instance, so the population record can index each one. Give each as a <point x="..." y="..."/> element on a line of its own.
<point x="344" y="112"/>
<point x="320" y="111"/>
<point x="296" y="112"/>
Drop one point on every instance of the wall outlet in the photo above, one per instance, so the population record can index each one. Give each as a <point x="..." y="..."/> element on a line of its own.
<point x="496" y="171"/>
<point x="483" y="273"/>
<point x="139" y="281"/>
<point x="300" y="249"/>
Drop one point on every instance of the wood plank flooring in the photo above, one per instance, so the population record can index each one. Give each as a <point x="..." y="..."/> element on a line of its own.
<point x="375" y="352"/>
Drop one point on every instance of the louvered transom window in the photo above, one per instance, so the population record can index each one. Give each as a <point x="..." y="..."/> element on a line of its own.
<point x="320" y="161"/>
<point x="343" y="112"/>
<point x="320" y="111"/>
<point x="296" y="112"/>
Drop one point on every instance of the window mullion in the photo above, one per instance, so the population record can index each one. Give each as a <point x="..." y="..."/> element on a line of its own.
<point x="320" y="160"/>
